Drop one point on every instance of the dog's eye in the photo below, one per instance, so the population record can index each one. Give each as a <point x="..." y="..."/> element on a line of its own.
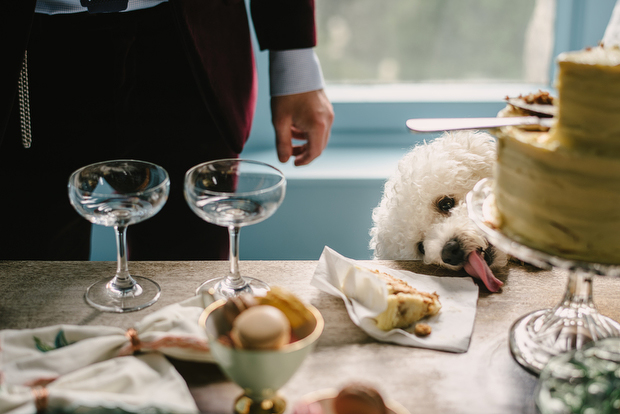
<point x="445" y="204"/>
<point x="421" y="248"/>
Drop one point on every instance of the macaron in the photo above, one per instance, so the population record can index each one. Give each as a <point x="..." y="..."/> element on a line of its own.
<point x="294" y="309"/>
<point x="237" y="304"/>
<point x="261" y="327"/>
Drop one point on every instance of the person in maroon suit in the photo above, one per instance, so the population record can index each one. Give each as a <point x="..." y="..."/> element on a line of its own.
<point x="174" y="84"/>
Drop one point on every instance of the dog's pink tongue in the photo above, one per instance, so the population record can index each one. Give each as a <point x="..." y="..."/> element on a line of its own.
<point x="477" y="267"/>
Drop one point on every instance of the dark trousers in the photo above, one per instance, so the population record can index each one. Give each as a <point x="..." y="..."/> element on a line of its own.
<point x="106" y="86"/>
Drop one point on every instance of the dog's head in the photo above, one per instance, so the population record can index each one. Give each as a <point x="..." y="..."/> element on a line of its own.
<point x="423" y="215"/>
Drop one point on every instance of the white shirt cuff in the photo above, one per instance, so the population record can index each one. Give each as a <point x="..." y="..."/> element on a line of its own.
<point x="294" y="71"/>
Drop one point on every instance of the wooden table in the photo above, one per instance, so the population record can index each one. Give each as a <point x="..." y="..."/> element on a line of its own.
<point x="483" y="380"/>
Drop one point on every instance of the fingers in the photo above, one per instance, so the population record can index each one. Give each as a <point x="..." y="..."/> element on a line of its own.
<point x="316" y="137"/>
<point x="284" y="139"/>
<point x="298" y="150"/>
<point x="307" y="117"/>
<point x="316" y="124"/>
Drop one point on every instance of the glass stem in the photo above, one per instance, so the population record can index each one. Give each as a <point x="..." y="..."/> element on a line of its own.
<point x="575" y="312"/>
<point x="579" y="290"/>
<point x="234" y="279"/>
<point x="123" y="279"/>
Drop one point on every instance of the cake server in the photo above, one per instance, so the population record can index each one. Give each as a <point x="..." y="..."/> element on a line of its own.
<point x="452" y="124"/>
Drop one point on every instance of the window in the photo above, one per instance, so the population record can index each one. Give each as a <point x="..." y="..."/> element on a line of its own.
<point x="396" y="41"/>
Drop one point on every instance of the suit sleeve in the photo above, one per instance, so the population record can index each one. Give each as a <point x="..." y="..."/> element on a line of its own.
<point x="284" y="24"/>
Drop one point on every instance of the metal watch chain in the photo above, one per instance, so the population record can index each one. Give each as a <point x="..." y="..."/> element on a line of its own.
<point x="24" y="104"/>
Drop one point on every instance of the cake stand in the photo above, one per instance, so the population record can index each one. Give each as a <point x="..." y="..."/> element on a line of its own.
<point x="572" y="323"/>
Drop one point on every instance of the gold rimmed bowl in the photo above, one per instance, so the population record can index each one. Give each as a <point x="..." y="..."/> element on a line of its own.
<point x="261" y="373"/>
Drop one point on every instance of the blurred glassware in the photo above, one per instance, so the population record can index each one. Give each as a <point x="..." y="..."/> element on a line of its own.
<point x="582" y="381"/>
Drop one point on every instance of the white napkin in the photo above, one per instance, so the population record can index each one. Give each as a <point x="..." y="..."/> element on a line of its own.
<point x="365" y="298"/>
<point x="147" y="383"/>
<point x="28" y="356"/>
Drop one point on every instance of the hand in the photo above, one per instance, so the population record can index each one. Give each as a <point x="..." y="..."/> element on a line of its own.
<point x="304" y="116"/>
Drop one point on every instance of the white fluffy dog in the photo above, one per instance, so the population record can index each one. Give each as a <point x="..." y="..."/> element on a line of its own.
<point x="423" y="215"/>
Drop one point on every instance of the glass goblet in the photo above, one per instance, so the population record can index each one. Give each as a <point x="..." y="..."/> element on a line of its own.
<point x="116" y="194"/>
<point x="234" y="193"/>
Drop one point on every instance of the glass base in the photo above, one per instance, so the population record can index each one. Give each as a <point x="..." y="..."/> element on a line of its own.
<point x="219" y="290"/>
<point x="539" y="336"/>
<point x="274" y="405"/>
<point x="143" y="294"/>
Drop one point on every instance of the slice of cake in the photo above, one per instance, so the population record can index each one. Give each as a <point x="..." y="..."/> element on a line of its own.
<point x="405" y="304"/>
<point x="396" y="304"/>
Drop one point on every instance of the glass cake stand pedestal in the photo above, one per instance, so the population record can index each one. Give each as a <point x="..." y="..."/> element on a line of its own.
<point x="540" y="335"/>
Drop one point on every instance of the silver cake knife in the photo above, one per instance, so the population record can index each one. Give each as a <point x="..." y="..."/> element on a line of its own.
<point x="453" y="124"/>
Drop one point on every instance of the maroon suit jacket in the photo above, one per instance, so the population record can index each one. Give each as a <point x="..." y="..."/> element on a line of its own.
<point x="218" y="43"/>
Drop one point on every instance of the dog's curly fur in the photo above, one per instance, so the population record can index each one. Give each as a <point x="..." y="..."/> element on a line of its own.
<point x="423" y="215"/>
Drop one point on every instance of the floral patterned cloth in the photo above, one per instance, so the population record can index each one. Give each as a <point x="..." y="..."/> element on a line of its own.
<point x="69" y="366"/>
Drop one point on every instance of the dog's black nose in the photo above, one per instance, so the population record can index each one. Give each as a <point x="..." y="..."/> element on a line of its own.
<point x="452" y="253"/>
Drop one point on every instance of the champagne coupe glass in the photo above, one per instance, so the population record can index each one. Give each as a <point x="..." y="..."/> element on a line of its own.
<point x="537" y="337"/>
<point x="116" y="194"/>
<point x="234" y="193"/>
